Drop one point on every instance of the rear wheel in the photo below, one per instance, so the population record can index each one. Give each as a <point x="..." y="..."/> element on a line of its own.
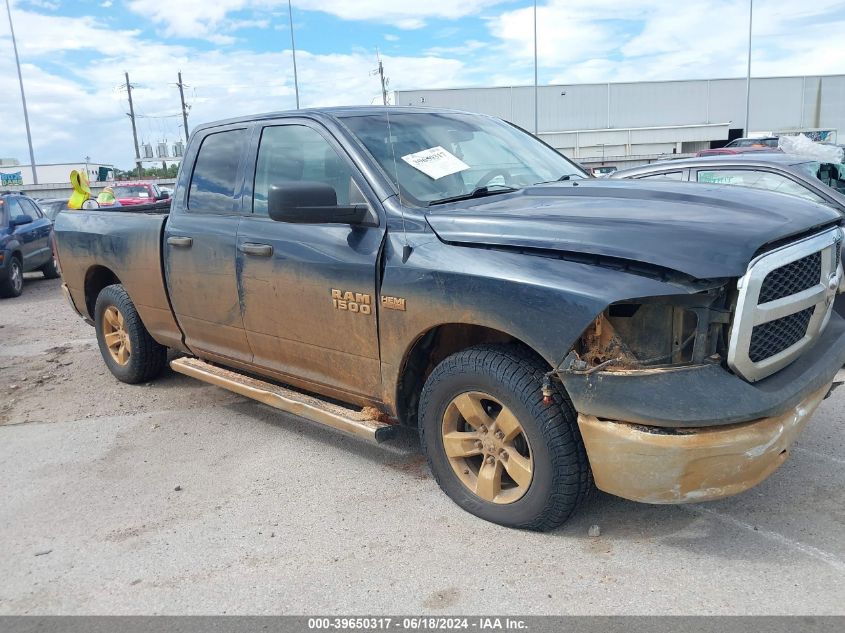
<point x="494" y="447"/>
<point x="11" y="284"/>
<point x="130" y="353"/>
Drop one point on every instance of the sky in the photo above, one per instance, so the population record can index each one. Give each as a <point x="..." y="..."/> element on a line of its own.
<point x="235" y="56"/>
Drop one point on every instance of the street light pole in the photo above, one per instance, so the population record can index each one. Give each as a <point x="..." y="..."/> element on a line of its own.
<point x="536" y="101"/>
<point x="23" y="97"/>
<point x="748" y="73"/>
<point x="292" y="50"/>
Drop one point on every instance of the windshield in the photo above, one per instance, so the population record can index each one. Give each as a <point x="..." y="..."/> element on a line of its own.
<point x="131" y="191"/>
<point x="439" y="156"/>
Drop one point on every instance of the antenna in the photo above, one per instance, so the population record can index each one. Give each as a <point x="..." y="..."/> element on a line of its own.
<point x="406" y="249"/>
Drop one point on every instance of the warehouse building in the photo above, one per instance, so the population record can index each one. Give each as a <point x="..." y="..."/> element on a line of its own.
<point x="627" y="124"/>
<point x="13" y="173"/>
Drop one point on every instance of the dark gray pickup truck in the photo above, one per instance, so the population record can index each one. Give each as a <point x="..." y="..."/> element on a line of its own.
<point x="373" y="267"/>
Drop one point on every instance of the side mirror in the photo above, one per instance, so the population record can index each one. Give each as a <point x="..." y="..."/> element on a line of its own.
<point x="164" y="196"/>
<point x="311" y="203"/>
<point x="20" y="220"/>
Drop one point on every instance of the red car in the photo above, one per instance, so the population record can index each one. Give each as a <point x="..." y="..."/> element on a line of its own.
<point x="743" y="146"/>
<point x="132" y="193"/>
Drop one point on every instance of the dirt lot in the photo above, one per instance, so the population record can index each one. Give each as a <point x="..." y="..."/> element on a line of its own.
<point x="274" y="515"/>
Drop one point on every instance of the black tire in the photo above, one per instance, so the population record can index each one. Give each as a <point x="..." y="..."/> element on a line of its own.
<point x="11" y="284"/>
<point x="51" y="269"/>
<point x="146" y="358"/>
<point x="513" y="375"/>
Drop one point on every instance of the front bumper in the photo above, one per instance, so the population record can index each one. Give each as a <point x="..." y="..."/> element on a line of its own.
<point x="652" y="465"/>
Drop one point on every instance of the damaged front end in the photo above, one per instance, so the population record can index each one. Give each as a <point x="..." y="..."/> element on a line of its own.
<point x="650" y="333"/>
<point x="664" y="414"/>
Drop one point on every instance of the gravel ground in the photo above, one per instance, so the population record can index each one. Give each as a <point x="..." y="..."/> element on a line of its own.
<point x="177" y="497"/>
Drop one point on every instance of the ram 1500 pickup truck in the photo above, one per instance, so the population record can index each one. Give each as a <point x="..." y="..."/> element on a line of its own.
<point x="373" y="267"/>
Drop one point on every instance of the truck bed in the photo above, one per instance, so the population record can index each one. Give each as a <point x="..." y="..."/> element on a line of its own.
<point x="122" y="245"/>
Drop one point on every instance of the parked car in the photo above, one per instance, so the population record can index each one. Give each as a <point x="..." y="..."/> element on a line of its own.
<point x="132" y="193"/>
<point x="782" y="173"/>
<point x="743" y="146"/>
<point x="25" y="243"/>
<point x="452" y="273"/>
<point x="51" y="206"/>
<point x="602" y="171"/>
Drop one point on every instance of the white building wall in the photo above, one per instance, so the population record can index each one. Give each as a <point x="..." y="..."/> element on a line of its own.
<point x="691" y="112"/>
<point x="54" y="173"/>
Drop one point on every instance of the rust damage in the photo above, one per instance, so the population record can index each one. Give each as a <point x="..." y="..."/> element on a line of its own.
<point x="651" y="465"/>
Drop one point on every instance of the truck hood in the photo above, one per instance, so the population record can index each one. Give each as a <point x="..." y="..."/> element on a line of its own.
<point x="705" y="231"/>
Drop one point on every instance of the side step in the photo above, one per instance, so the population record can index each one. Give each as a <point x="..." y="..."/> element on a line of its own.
<point x="364" y="423"/>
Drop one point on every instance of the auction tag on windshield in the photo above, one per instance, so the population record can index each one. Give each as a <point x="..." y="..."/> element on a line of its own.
<point x="435" y="162"/>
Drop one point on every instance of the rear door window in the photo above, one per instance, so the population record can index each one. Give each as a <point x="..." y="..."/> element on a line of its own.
<point x="757" y="180"/>
<point x="215" y="172"/>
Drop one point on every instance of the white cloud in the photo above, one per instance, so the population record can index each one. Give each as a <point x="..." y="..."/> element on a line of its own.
<point x="82" y="110"/>
<point x="200" y="18"/>
<point x="76" y="109"/>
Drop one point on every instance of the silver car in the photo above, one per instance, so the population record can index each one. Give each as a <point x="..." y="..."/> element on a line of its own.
<point x="795" y="175"/>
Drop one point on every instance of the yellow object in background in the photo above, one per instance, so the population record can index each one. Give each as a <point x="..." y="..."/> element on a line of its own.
<point x="106" y="197"/>
<point x="81" y="190"/>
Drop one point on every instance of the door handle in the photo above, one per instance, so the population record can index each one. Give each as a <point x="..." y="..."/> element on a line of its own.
<point x="260" y="250"/>
<point x="180" y="241"/>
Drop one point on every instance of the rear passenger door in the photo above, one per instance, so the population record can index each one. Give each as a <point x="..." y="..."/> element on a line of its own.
<point x="296" y="279"/>
<point x="199" y="247"/>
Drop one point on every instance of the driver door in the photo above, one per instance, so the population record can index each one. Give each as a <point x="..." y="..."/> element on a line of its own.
<point x="295" y="280"/>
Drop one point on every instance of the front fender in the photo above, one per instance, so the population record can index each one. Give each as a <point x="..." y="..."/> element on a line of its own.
<point x="546" y="302"/>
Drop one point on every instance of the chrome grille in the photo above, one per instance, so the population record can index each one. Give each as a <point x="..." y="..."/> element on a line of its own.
<point x="775" y="336"/>
<point x="792" y="278"/>
<point x="784" y="302"/>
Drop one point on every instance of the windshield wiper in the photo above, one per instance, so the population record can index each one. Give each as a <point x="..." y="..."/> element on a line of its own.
<point x="478" y="192"/>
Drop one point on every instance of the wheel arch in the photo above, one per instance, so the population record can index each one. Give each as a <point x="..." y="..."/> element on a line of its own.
<point x="430" y="348"/>
<point x="96" y="278"/>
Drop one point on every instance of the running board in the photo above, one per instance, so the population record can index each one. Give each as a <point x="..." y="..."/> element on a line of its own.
<point x="364" y="423"/>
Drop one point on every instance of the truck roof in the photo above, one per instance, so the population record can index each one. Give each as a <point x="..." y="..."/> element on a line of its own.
<point x="331" y="112"/>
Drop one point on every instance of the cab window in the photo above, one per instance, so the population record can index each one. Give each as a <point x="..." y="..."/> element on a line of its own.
<point x="757" y="180"/>
<point x="212" y="187"/>
<point x="298" y="153"/>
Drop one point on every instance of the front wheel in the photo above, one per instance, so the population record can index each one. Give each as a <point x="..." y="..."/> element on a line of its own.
<point x="130" y="353"/>
<point x="494" y="447"/>
<point x="11" y="285"/>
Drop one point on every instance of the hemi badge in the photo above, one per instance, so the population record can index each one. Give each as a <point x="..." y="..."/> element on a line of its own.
<point x="393" y="303"/>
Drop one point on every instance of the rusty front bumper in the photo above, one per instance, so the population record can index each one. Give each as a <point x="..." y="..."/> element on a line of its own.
<point x="656" y="465"/>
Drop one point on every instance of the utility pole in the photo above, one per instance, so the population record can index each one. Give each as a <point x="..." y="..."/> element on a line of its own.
<point x="748" y="74"/>
<point x="384" y="81"/>
<point x="23" y="97"/>
<point x="134" y="131"/>
<point x="536" y="100"/>
<point x="184" y="109"/>
<point x="293" y="52"/>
